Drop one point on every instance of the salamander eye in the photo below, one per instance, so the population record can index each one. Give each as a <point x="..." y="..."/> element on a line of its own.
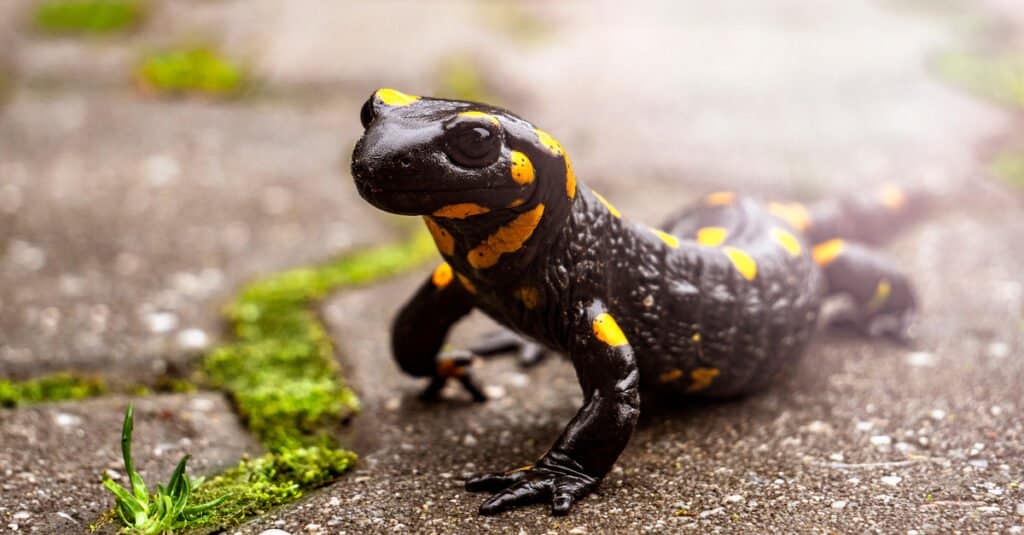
<point x="366" y="114"/>
<point x="472" y="145"/>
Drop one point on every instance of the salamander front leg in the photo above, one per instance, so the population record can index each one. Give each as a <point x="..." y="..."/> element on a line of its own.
<point x="421" y="328"/>
<point x="593" y="440"/>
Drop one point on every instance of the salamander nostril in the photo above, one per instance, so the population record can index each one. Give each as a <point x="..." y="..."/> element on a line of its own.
<point x="405" y="161"/>
<point x="359" y="169"/>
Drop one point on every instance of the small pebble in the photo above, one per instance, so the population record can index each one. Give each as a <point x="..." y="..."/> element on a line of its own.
<point x="161" y="322"/>
<point x="818" y="427"/>
<point x="921" y="359"/>
<point x="193" y="339"/>
<point x="1020" y="509"/>
<point x="881" y="440"/>
<point x="64" y="419"/>
<point x="469" y="440"/>
<point x="865" y="426"/>
<point x="839" y="504"/>
<point x="735" y="498"/>
<point x="892" y="481"/>
<point x="938" y="415"/>
<point x="21" y="515"/>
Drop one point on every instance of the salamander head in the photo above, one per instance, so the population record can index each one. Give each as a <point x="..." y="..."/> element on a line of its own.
<point x="449" y="158"/>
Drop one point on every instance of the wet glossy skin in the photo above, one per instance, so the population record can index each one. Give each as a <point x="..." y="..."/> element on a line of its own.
<point x="715" y="302"/>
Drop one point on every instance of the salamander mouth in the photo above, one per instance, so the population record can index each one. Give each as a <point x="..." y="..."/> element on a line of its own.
<point x="420" y="201"/>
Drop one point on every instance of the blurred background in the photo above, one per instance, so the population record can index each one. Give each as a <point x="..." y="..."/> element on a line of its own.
<point x="156" y="154"/>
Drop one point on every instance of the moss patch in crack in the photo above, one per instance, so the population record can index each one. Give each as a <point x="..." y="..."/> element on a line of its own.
<point x="998" y="77"/>
<point x="194" y="70"/>
<point x="255" y="486"/>
<point x="88" y="16"/>
<point x="56" y="387"/>
<point x="282" y="374"/>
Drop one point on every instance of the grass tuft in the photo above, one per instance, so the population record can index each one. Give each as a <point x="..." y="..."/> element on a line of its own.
<point x="55" y="387"/>
<point x="190" y="71"/>
<point x="168" y="510"/>
<point x="88" y="16"/>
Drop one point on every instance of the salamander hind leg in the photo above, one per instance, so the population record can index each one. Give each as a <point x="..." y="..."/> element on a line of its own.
<point x="882" y="301"/>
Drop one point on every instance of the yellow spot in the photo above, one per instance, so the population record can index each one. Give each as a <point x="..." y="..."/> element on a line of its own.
<point x="529" y="296"/>
<point x="702" y="378"/>
<point x="525" y="468"/>
<point x="448" y="368"/>
<point x="669" y="239"/>
<point x="461" y="210"/>
<point x="507" y="239"/>
<point x="474" y="113"/>
<point x="670" y="376"/>
<point x="712" y="236"/>
<point x="793" y="213"/>
<point x="442" y="275"/>
<point x="392" y="97"/>
<point x="827" y="252"/>
<point x="515" y="203"/>
<point x="608" y="331"/>
<point x="882" y="292"/>
<point x="607" y="204"/>
<point x="787" y="240"/>
<point x="466" y="283"/>
<point x="444" y="240"/>
<point x="893" y="197"/>
<point x="522" y="169"/>
<point x="720" y="198"/>
<point x="695" y="338"/>
<point x="743" y="262"/>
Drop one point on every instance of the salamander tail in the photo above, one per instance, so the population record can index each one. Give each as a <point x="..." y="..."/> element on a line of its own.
<point x="870" y="217"/>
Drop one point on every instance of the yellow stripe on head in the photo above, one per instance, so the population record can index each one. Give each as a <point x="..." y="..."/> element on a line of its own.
<point x="507" y="239"/>
<point x="825" y="253"/>
<point x="522" y="168"/>
<point x="787" y="241"/>
<point x="552" y="144"/>
<point x="712" y="236"/>
<point x="461" y="210"/>
<point x="442" y="276"/>
<point x="482" y="115"/>
<point x="742" y="261"/>
<point x="669" y="239"/>
<point x="607" y="204"/>
<point x="607" y="330"/>
<point x="393" y="97"/>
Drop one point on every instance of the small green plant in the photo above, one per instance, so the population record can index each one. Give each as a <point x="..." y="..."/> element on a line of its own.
<point x="88" y="16"/>
<point x="166" y="511"/>
<point x="55" y="387"/>
<point x="190" y="71"/>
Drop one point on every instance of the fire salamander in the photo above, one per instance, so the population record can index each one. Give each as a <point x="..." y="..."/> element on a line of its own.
<point x="715" y="302"/>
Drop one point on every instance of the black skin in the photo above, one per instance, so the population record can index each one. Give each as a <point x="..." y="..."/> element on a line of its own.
<point x="693" y="323"/>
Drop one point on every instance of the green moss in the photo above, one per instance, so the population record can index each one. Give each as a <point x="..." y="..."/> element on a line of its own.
<point x="1010" y="167"/>
<point x="998" y="77"/>
<point x="88" y="16"/>
<point x="255" y="486"/>
<point x="282" y="372"/>
<point x="56" y="387"/>
<point x="190" y="71"/>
